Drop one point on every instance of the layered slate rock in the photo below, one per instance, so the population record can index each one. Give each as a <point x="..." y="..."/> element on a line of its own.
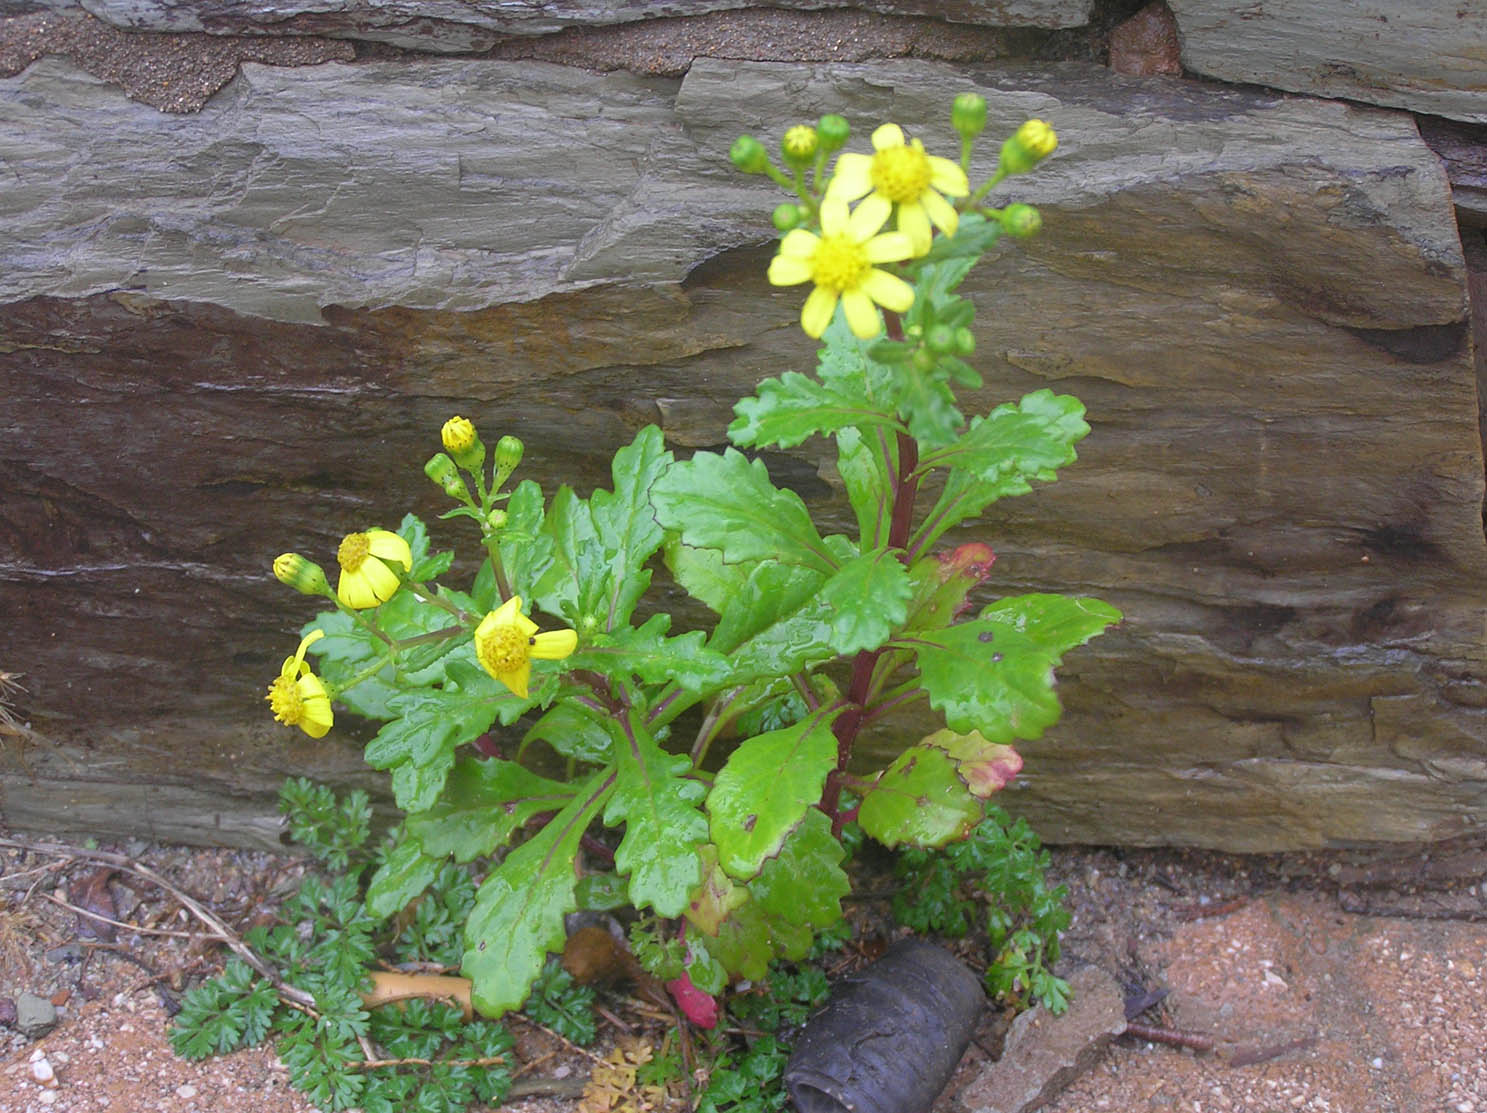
<point x="475" y="25"/>
<point x="1427" y="55"/>
<point x="238" y="333"/>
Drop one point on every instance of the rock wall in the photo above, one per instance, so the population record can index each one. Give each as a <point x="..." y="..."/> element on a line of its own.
<point x="230" y="331"/>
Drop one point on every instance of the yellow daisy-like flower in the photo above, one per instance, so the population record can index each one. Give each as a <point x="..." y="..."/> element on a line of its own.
<point x="901" y="174"/>
<point x="367" y="576"/>
<point x="297" y="696"/>
<point x="506" y="642"/>
<point x="840" y="263"/>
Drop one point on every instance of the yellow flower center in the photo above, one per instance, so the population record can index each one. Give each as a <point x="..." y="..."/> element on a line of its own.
<point x="354" y="550"/>
<point x="505" y="649"/>
<point x="901" y="173"/>
<point x="839" y="263"/>
<point x="285" y="702"/>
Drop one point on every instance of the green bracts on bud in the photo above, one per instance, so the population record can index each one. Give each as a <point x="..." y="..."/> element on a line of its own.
<point x="799" y="145"/>
<point x="509" y="452"/>
<point x="496" y="519"/>
<point x="305" y="576"/>
<point x="1028" y="146"/>
<point x="1020" y="220"/>
<point x="440" y="468"/>
<point x="968" y="115"/>
<point x="749" y="155"/>
<point x="463" y="443"/>
<point x="832" y="132"/>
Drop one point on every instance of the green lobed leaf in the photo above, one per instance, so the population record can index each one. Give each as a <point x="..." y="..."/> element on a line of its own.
<point x="794" y="407"/>
<point x="747" y="939"/>
<point x="627" y="526"/>
<point x="646" y="652"/>
<point x="418" y="746"/>
<point x="866" y="600"/>
<point x="573" y="730"/>
<point x="727" y="502"/>
<point x="404" y="874"/>
<point x="847" y="366"/>
<point x="572" y="584"/>
<point x="765" y="787"/>
<point x="985" y="767"/>
<point x="863" y="464"/>
<point x="928" y="406"/>
<point x="519" y="910"/>
<point x="484" y="803"/>
<point x="999" y="456"/>
<point x="804" y="883"/>
<point x="663" y="824"/>
<point x="526" y="548"/>
<point x="920" y="800"/>
<point x="994" y="674"/>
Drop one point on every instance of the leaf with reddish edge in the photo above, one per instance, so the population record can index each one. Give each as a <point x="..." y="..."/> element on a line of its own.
<point x="717" y="896"/>
<point x="698" y="1007"/>
<point x="943" y="582"/>
<point x="919" y="800"/>
<point x="985" y="767"/>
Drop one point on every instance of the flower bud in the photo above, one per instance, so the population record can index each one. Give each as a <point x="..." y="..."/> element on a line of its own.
<point x="463" y="443"/>
<point x="1021" y="221"/>
<point x="940" y="340"/>
<point x="496" y="519"/>
<point x="965" y="342"/>
<point x="446" y="476"/>
<point x="968" y="114"/>
<point x="786" y="216"/>
<point x="749" y="155"/>
<point x="799" y="145"/>
<point x="832" y="132"/>
<point x="1028" y="146"/>
<point x="509" y="452"/>
<point x="924" y="361"/>
<point x="305" y="576"/>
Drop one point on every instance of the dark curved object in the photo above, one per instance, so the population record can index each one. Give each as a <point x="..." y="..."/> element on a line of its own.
<point x="889" y="1036"/>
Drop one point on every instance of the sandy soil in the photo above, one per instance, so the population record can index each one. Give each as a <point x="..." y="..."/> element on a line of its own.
<point x="1348" y="983"/>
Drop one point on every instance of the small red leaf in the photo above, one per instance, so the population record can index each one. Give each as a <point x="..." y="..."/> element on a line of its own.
<point x="698" y="1007"/>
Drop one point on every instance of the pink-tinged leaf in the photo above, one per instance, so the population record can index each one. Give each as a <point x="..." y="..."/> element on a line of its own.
<point x="944" y="582"/>
<point x="985" y="767"/>
<point x="698" y="1007"/>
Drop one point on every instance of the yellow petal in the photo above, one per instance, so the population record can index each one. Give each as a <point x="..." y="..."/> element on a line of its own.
<point x="941" y="212"/>
<point x="356" y="591"/>
<point x="389" y="546"/>
<point x="799" y="244"/>
<point x="890" y="247"/>
<point x="834" y="218"/>
<point x="505" y="614"/>
<point x="948" y="177"/>
<point x="517" y="679"/>
<point x="862" y="314"/>
<point x="788" y="272"/>
<point x="817" y="312"/>
<point x="853" y="177"/>
<point x="870" y="215"/>
<point x="380" y="578"/>
<point x="888" y="290"/>
<point x="886" y="136"/>
<point x="554" y="645"/>
<point x="913" y="221"/>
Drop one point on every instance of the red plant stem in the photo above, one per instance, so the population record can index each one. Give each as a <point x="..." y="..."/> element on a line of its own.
<point x="849" y="722"/>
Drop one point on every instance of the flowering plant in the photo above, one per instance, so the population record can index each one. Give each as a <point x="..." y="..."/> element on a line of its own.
<point x="607" y="788"/>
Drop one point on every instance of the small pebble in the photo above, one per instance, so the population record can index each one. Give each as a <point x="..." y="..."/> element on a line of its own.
<point x="185" y="1090"/>
<point x="41" y="1070"/>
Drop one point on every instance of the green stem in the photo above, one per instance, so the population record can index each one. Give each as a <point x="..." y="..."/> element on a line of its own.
<point x="991" y="183"/>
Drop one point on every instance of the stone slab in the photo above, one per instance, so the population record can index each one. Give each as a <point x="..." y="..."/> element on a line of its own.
<point x="230" y="334"/>
<point x="1427" y="55"/>
<point x="474" y="25"/>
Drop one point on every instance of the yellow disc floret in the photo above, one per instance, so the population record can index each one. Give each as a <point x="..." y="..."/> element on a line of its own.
<point x="367" y="560"/>
<point x="901" y="174"/>
<point x="839" y="263"/>
<point x="297" y="697"/>
<point x="507" y="642"/>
